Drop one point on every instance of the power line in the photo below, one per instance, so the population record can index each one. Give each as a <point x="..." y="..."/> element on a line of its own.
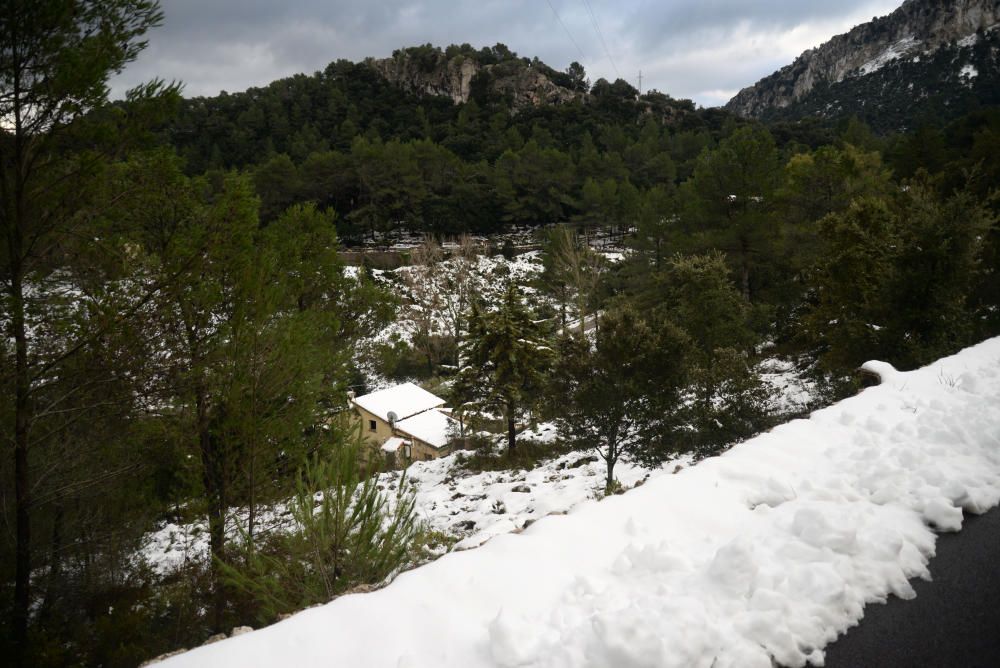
<point x="568" y="33"/>
<point x="597" y="29"/>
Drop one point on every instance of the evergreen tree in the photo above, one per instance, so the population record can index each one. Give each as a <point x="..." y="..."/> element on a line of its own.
<point x="57" y="133"/>
<point x="851" y="301"/>
<point x="620" y="393"/>
<point x="505" y="357"/>
<point x="731" y="196"/>
<point x="356" y="534"/>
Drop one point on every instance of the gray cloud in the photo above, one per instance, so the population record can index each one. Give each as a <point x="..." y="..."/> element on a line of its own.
<point x="700" y="49"/>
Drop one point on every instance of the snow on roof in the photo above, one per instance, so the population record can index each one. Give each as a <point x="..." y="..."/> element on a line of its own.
<point x="777" y="547"/>
<point x="393" y="444"/>
<point x="403" y="400"/>
<point x="430" y="427"/>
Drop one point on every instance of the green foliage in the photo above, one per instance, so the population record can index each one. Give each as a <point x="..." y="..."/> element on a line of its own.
<point x="504" y="356"/>
<point x="620" y="394"/>
<point x="697" y="293"/>
<point x="479" y="454"/>
<point x="534" y="183"/>
<point x="728" y="403"/>
<point x="897" y="278"/>
<point x="70" y="365"/>
<point x="349" y="533"/>
<point x="732" y="195"/>
<point x="725" y="399"/>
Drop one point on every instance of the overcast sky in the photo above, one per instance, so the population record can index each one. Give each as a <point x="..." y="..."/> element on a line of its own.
<point x="705" y="50"/>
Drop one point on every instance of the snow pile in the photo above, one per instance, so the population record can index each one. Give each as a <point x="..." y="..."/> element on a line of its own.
<point x="770" y="550"/>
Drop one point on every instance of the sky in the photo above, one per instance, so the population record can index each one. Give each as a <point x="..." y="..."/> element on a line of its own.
<point x="704" y="50"/>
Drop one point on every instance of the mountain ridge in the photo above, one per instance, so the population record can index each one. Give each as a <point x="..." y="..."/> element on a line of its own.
<point x="914" y="31"/>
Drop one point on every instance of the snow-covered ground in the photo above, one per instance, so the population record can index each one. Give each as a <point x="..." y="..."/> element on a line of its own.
<point x="468" y="508"/>
<point x="475" y="508"/>
<point x="766" y="552"/>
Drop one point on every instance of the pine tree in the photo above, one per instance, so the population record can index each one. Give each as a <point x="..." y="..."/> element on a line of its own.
<point x="731" y="196"/>
<point x="505" y="357"/>
<point x="55" y="61"/>
<point x="620" y="393"/>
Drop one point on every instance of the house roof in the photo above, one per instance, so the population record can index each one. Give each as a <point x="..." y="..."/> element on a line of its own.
<point x="431" y="427"/>
<point x="404" y="400"/>
<point x="393" y="444"/>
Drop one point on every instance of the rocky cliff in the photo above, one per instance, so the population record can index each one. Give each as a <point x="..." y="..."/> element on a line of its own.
<point x="425" y="71"/>
<point x="913" y="32"/>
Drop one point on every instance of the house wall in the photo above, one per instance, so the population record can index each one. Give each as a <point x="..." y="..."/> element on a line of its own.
<point x="382" y="429"/>
<point x="419" y="450"/>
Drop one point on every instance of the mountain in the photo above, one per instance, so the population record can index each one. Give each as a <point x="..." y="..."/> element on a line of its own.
<point x="477" y="103"/>
<point x="929" y="59"/>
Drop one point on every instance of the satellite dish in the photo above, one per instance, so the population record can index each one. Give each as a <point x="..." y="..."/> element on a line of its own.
<point x="392" y="418"/>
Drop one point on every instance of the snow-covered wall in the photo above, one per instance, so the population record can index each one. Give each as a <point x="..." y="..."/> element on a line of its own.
<point x="770" y="550"/>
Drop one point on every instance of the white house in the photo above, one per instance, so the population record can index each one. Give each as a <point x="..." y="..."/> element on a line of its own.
<point x="405" y="422"/>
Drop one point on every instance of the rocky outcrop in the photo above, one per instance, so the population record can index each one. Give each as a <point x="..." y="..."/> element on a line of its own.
<point x="529" y="87"/>
<point x="433" y="73"/>
<point x="449" y="78"/>
<point x="916" y="28"/>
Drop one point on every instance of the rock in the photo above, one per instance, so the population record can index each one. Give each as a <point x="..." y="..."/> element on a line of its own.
<point x="240" y="630"/>
<point x="915" y="29"/>
<point x="589" y="459"/>
<point x="433" y="73"/>
<point x="524" y="489"/>
<point x="215" y="638"/>
<point x="465" y="525"/>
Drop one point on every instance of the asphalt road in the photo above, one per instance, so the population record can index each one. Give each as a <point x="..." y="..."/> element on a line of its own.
<point x="953" y="623"/>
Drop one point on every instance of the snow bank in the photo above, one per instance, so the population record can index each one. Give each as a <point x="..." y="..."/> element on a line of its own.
<point x="770" y="550"/>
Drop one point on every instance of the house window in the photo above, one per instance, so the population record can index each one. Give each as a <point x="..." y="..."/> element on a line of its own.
<point x="371" y="425"/>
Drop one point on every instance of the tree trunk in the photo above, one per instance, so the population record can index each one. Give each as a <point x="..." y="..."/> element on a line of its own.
<point x="745" y="268"/>
<point x="511" y="432"/>
<point x="611" y="460"/>
<point x="55" y="561"/>
<point x="213" y="480"/>
<point x="22" y="473"/>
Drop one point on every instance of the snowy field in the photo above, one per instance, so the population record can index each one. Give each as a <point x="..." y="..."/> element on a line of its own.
<point x="468" y="508"/>
<point x="767" y="552"/>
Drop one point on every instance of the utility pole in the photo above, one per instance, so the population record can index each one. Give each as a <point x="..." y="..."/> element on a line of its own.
<point x="640" y="82"/>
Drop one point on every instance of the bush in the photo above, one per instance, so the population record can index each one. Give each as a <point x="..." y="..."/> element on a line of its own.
<point x="350" y="534"/>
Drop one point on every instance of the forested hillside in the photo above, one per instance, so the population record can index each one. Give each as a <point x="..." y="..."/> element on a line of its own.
<point x="182" y="336"/>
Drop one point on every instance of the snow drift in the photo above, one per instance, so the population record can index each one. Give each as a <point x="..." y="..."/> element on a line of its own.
<point x="770" y="550"/>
